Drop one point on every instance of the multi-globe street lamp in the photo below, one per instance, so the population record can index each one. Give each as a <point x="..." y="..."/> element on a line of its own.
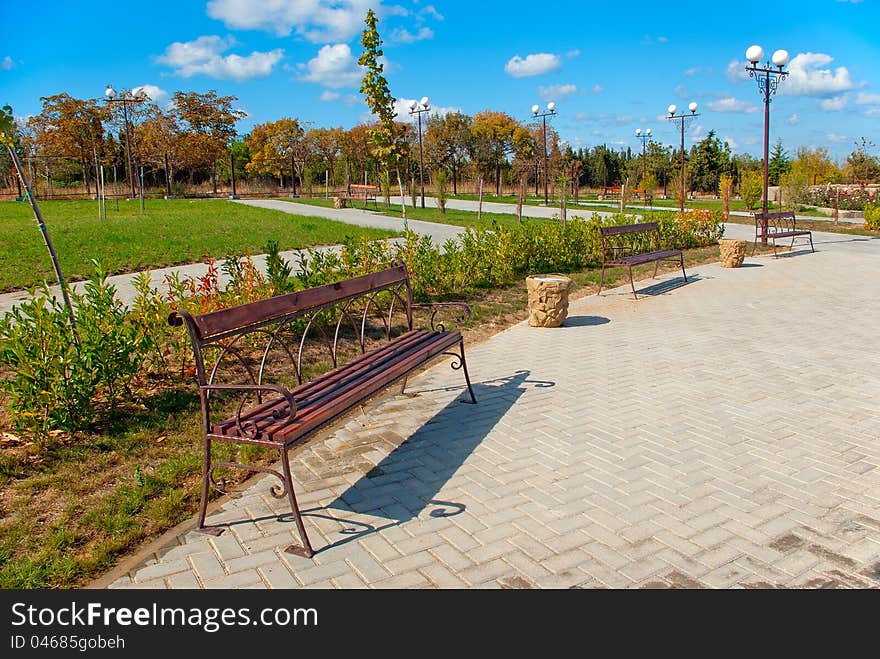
<point x="682" y="119"/>
<point x="549" y="112"/>
<point x="125" y="99"/>
<point x="645" y="137"/>
<point x="768" y="78"/>
<point x="417" y="109"/>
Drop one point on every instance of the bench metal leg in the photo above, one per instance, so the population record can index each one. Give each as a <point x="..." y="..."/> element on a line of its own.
<point x="601" y="281"/>
<point x="683" y="273"/>
<point x="403" y="385"/>
<point x="656" y="269"/>
<point x="461" y="363"/>
<point x="813" y="249"/>
<point x="206" y="478"/>
<point x="632" y="283"/>
<point x="306" y="548"/>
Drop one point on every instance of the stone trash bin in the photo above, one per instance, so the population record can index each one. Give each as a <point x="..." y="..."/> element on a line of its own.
<point x="733" y="252"/>
<point x="548" y="299"/>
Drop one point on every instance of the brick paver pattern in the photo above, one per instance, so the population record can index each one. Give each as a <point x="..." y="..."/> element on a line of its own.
<point x="719" y="434"/>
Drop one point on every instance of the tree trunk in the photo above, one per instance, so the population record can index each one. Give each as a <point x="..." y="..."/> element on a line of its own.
<point x="497" y="179"/>
<point x="293" y="174"/>
<point x="454" y="177"/>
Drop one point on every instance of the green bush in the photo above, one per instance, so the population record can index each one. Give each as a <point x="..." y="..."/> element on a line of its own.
<point x="872" y="217"/>
<point x="61" y="377"/>
<point x="751" y="188"/>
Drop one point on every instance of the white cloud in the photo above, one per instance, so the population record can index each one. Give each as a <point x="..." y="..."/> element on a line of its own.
<point x="573" y="53"/>
<point x="405" y="36"/>
<point x="328" y="97"/>
<point x="835" y="104"/>
<point x="532" y="65"/>
<point x="203" y="56"/>
<point x="402" y="105"/>
<point x="808" y="78"/>
<point x="557" y="92"/>
<point x="315" y="20"/>
<point x="731" y="104"/>
<point x="697" y="132"/>
<point x="872" y="112"/>
<point x="731" y="143"/>
<point x="597" y="89"/>
<point x="430" y="10"/>
<point x="736" y="70"/>
<point x="864" y="98"/>
<point x="693" y="71"/>
<point x="834" y="137"/>
<point x="157" y="95"/>
<point x="334" y="67"/>
<point x="7" y="63"/>
<point x="793" y="120"/>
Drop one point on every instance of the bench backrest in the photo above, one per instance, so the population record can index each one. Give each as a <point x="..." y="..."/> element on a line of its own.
<point x="291" y="323"/>
<point x="364" y="188"/>
<point x="629" y="239"/>
<point x="783" y="221"/>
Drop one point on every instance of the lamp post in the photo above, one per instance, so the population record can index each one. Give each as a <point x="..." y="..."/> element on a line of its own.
<point x="549" y="112"/>
<point x="768" y="79"/>
<point x="683" y="120"/>
<point x="645" y="137"/>
<point x="417" y="109"/>
<point x="125" y="99"/>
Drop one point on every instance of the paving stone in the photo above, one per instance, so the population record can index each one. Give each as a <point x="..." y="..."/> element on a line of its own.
<point x="689" y="467"/>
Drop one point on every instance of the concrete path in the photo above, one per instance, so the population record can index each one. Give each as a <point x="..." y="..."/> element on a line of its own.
<point x="723" y="433"/>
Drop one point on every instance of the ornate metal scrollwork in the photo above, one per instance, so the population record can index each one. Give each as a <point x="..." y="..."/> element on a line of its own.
<point x="249" y="428"/>
<point x="219" y="485"/>
<point x="437" y="307"/>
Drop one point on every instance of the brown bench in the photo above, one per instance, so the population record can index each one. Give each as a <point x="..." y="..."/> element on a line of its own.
<point x="358" y="192"/>
<point x="262" y="353"/>
<point x="779" y="225"/>
<point x="635" y="244"/>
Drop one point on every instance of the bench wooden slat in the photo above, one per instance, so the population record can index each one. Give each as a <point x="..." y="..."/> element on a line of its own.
<point x="218" y="323"/>
<point x="327" y="381"/>
<point x="638" y="259"/>
<point x="618" y="229"/>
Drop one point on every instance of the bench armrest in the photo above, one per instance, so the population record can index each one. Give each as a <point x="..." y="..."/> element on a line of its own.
<point x="464" y="312"/>
<point x="249" y="428"/>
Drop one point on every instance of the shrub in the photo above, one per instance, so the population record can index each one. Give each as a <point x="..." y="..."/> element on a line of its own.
<point x="872" y="217"/>
<point x="751" y="188"/>
<point x="61" y="377"/>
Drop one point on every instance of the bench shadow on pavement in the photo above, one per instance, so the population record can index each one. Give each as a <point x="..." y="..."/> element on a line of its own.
<point x="405" y="484"/>
<point x="661" y="287"/>
<point x="585" y="321"/>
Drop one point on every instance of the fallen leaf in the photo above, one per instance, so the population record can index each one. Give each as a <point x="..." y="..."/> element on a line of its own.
<point x="161" y="438"/>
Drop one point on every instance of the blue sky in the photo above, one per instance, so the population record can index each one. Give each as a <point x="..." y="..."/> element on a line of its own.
<point x="610" y="67"/>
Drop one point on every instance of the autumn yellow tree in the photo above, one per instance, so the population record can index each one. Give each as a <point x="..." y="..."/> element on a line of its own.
<point x="275" y="146"/>
<point x="207" y="125"/>
<point x="496" y="136"/>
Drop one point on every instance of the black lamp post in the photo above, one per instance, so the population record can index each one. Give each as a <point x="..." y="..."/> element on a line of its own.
<point x="645" y="137"/>
<point x="125" y="99"/>
<point x="417" y="109"/>
<point x="768" y="78"/>
<point x="549" y="112"/>
<point x="683" y="120"/>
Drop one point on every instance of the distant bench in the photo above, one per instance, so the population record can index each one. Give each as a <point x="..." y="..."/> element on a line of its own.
<point x="357" y="192"/>
<point x="635" y="244"/>
<point x="779" y="225"/>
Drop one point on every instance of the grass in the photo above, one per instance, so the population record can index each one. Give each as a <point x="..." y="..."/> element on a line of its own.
<point x="455" y="217"/>
<point x="170" y="232"/>
<point x="70" y="510"/>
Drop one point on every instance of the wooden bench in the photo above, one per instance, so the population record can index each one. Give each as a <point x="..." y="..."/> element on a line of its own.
<point x="357" y="192"/>
<point x="263" y="353"/>
<point x="779" y="225"/>
<point x="635" y="244"/>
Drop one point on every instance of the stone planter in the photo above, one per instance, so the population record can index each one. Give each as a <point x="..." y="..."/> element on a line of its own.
<point x="548" y="299"/>
<point x="733" y="252"/>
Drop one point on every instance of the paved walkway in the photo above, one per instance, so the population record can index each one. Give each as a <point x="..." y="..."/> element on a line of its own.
<point x="723" y="433"/>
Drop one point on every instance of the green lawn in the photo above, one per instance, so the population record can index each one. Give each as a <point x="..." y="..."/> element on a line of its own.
<point x="170" y="232"/>
<point x="455" y="217"/>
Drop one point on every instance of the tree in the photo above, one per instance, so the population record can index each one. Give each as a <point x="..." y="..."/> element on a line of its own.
<point x="861" y="167"/>
<point x="448" y="140"/>
<point x="160" y="141"/>
<point x="496" y="135"/>
<point x="815" y="166"/>
<point x="778" y="164"/>
<point x="708" y="160"/>
<point x="326" y="145"/>
<point x="378" y="97"/>
<point x="71" y="128"/>
<point x="207" y="125"/>
<point x="751" y="188"/>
